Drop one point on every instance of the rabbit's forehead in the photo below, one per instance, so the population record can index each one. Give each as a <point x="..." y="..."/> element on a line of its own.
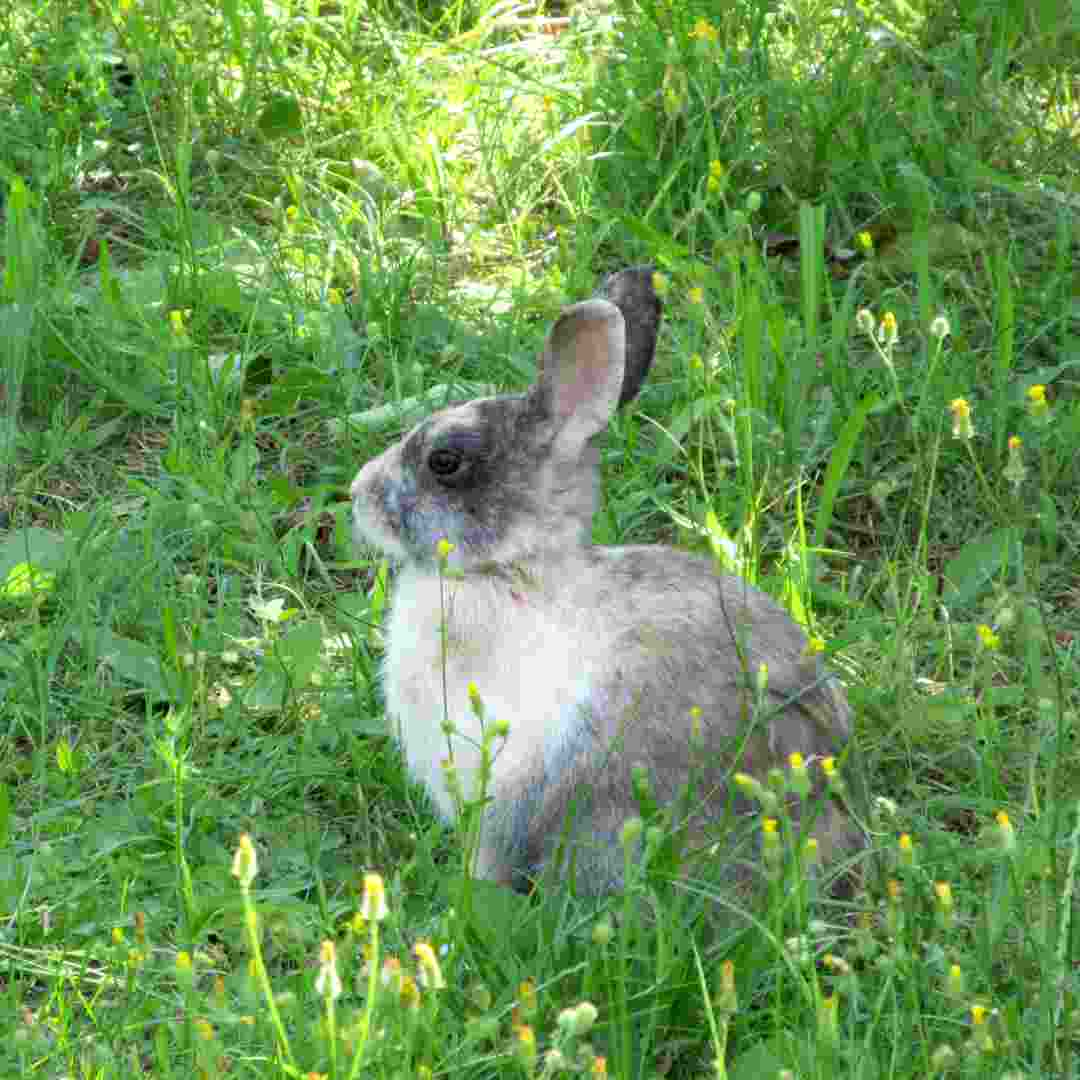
<point x="486" y="416"/>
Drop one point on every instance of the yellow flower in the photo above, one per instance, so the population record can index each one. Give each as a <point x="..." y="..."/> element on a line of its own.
<point x="697" y="295"/>
<point x="961" y="414"/>
<point x="526" y="1046"/>
<point x="828" y="1015"/>
<point x="705" y="31"/>
<point x="292" y="213"/>
<point x="660" y="284"/>
<point x="865" y="241"/>
<point x="954" y="983"/>
<point x="987" y="638"/>
<point x="907" y="850"/>
<point x="328" y="982"/>
<point x="409" y="995"/>
<point x="943" y="902"/>
<point x="178" y="320"/>
<point x="1015" y="442"/>
<point x="728" y="1001"/>
<point x="1038" y="407"/>
<point x="771" y="851"/>
<point x="373" y="906"/>
<point x="443" y="548"/>
<point x="716" y="168"/>
<point x="431" y="976"/>
<point x="334" y="296"/>
<point x="888" y="332"/>
<point x="800" y="777"/>
<point x="245" y="862"/>
<point x="1006" y="832"/>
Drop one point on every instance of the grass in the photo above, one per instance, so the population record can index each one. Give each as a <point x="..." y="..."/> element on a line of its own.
<point x="232" y="236"/>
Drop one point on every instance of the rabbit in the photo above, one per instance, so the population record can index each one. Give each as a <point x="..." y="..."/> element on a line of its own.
<point x="595" y="656"/>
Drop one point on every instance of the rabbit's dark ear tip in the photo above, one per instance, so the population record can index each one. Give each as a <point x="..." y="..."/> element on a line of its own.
<point x="632" y="292"/>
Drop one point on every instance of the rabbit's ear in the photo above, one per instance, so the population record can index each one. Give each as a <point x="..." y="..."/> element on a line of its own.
<point x="581" y="371"/>
<point x="633" y="293"/>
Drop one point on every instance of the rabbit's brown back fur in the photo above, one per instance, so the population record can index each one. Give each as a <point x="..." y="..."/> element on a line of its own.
<point x="594" y="656"/>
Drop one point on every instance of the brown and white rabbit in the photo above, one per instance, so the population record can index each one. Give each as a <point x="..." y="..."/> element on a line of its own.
<point x="595" y="656"/>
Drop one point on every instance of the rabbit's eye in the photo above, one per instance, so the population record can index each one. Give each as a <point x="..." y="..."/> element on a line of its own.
<point x="445" y="461"/>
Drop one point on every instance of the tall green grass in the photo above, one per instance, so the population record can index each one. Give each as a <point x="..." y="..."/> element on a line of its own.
<point x="244" y="246"/>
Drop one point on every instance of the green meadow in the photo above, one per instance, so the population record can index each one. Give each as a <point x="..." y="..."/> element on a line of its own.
<point x="244" y="246"/>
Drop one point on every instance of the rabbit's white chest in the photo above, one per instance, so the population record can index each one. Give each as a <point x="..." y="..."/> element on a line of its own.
<point x="531" y="667"/>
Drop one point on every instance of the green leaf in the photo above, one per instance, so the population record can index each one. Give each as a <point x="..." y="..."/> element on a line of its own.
<point x="134" y="662"/>
<point x="290" y="664"/>
<point x="838" y="465"/>
<point x="45" y="549"/>
<point x="280" y="116"/>
<point x="5" y="816"/>
<point x="978" y="563"/>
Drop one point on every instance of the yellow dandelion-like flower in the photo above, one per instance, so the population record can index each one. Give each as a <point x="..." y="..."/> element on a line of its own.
<point x="987" y="638"/>
<point x="800" y="775"/>
<point x="1037" y="405"/>
<point x="1014" y="470"/>
<point x="954" y="983"/>
<point x="335" y="297"/>
<point x="245" y="862"/>
<point x="660" y="284"/>
<point x="178" y="321"/>
<point x="292" y="213"/>
<point x="204" y="1029"/>
<point x="526" y="997"/>
<point x="771" y="850"/>
<point x="728" y="1001"/>
<point x="431" y="976"/>
<point x="409" y="994"/>
<point x="599" y="1066"/>
<point x="828" y="1017"/>
<point x="888" y="331"/>
<point x="697" y="295"/>
<point x="704" y="31"/>
<point x="978" y="1015"/>
<point x="961" y="414"/>
<point x="373" y="905"/>
<point x="525" y="1045"/>
<point x="1006" y="832"/>
<point x="865" y="242"/>
<point x="906" y="850"/>
<point x="444" y="548"/>
<point x="943" y="904"/>
<point x="328" y="982"/>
